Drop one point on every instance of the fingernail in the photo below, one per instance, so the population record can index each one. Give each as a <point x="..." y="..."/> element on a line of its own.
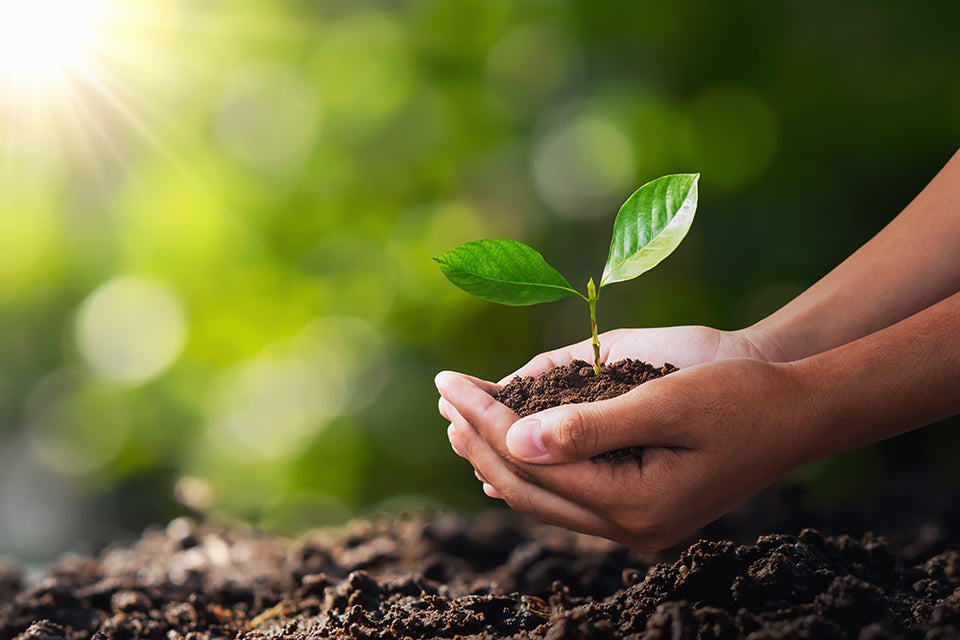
<point x="524" y="439"/>
<point x="491" y="492"/>
<point x="455" y="442"/>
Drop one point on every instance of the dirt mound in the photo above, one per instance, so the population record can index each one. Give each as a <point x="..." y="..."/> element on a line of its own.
<point x="495" y="576"/>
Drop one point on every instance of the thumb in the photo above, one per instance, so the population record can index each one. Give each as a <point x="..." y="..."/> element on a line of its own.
<point x="576" y="431"/>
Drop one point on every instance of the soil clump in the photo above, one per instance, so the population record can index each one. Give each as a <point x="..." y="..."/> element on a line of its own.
<point x="576" y="383"/>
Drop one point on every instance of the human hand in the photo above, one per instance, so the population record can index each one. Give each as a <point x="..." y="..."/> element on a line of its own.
<point x="681" y="346"/>
<point x="713" y="434"/>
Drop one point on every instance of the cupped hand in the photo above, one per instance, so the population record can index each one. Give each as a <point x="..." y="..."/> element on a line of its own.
<point x="682" y="346"/>
<point x="712" y="435"/>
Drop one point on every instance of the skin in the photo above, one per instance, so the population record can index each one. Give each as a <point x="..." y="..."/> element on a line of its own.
<point x="866" y="353"/>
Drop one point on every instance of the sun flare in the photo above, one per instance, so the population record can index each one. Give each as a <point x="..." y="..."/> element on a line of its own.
<point x="69" y="90"/>
<point x="43" y="39"/>
<point x="86" y="85"/>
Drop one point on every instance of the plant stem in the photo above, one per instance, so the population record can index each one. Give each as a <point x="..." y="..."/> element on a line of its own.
<point x="592" y="299"/>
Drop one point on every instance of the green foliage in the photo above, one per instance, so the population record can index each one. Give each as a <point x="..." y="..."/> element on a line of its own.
<point x="504" y="271"/>
<point x="648" y="227"/>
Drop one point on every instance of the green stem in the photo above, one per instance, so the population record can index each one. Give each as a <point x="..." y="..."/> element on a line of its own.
<point x="592" y="299"/>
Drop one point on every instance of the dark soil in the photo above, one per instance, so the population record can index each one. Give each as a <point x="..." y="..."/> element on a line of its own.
<point x="495" y="576"/>
<point x="577" y="382"/>
<point x="502" y="576"/>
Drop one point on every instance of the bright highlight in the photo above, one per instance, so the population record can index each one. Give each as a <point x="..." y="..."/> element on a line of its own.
<point x="42" y="39"/>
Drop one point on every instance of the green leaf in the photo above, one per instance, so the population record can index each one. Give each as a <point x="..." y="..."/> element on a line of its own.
<point x="650" y="225"/>
<point x="504" y="271"/>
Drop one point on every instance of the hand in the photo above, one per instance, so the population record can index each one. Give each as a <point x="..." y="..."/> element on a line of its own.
<point x="713" y="434"/>
<point x="681" y="346"/>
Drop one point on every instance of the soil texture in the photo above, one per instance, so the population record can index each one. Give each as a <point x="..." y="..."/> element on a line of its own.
<point x="496" y="576"/>
<point x="577" y="382"/>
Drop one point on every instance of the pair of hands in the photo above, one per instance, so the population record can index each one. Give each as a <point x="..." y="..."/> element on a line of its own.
<point x="724" y="426"/>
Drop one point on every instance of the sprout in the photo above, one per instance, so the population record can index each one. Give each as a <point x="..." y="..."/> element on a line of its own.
<point x="649" y="226"/>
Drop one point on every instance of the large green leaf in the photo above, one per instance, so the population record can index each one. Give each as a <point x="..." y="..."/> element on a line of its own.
<point x="504" y="271"/>
<point x="650" y="225"/>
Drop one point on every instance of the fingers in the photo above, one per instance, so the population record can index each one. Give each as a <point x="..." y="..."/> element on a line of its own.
<point x="582" y="496"/>
<point x="448" y="411"/>
<point x="563" y="434"/>
<point x="502" y="482"/>
<point x="488" y="387"/>
<point x="455" y="442"/>
<point x="614" y="345"/>
<point x="490" y="491"/>
<point x="478" y="416"/>
<point x="580" y="431"/>
<point x="706" y="447"/>
<point x="471" y="398"/>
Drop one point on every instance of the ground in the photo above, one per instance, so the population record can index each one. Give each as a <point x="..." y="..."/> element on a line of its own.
<point x="499" y="575"/>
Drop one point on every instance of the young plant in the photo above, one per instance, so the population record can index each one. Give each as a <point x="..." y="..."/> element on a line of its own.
<point x="648" y="227"/>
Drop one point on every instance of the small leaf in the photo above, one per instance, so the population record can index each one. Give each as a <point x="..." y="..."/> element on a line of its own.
<point x="650" y="225"/>
<point x="504" y="271"/>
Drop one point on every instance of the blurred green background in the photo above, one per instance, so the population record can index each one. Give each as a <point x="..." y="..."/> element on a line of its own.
<point x="217" y="219"/>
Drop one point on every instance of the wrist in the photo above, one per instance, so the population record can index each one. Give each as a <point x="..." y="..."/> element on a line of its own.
<point x="897" y="379"/>
<point x="812" y="400"/>
<point x="756" y="342"/>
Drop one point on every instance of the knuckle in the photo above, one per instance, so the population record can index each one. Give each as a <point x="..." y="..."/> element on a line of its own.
<point x="514" y="499"/>
<point x="525" y="473"/>
<point x="574" y="438"/>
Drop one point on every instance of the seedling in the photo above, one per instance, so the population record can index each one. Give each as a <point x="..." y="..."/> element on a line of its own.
<point x="648" y="227"/>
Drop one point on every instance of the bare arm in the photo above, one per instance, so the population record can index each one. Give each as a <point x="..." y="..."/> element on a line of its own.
<point x="899" y="378"/>
<point x="911" y="264"/>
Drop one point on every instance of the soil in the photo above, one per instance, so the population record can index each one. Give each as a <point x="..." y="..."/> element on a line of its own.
<point x="577" y="382"/>
<point x="492" y="576"/>
<point x="502" y="576"/>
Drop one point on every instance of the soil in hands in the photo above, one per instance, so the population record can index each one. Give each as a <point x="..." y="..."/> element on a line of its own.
<point x="577" y="382"/>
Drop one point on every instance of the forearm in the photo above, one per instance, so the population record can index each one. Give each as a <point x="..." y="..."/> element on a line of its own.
<point x="911" y="264"/>
<point x="889" y="382"/>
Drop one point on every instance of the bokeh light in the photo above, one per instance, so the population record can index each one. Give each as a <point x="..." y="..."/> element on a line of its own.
<point x="267" y="408"/>
<point x="583" y="163"/>
<point x="130" y="330"/>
